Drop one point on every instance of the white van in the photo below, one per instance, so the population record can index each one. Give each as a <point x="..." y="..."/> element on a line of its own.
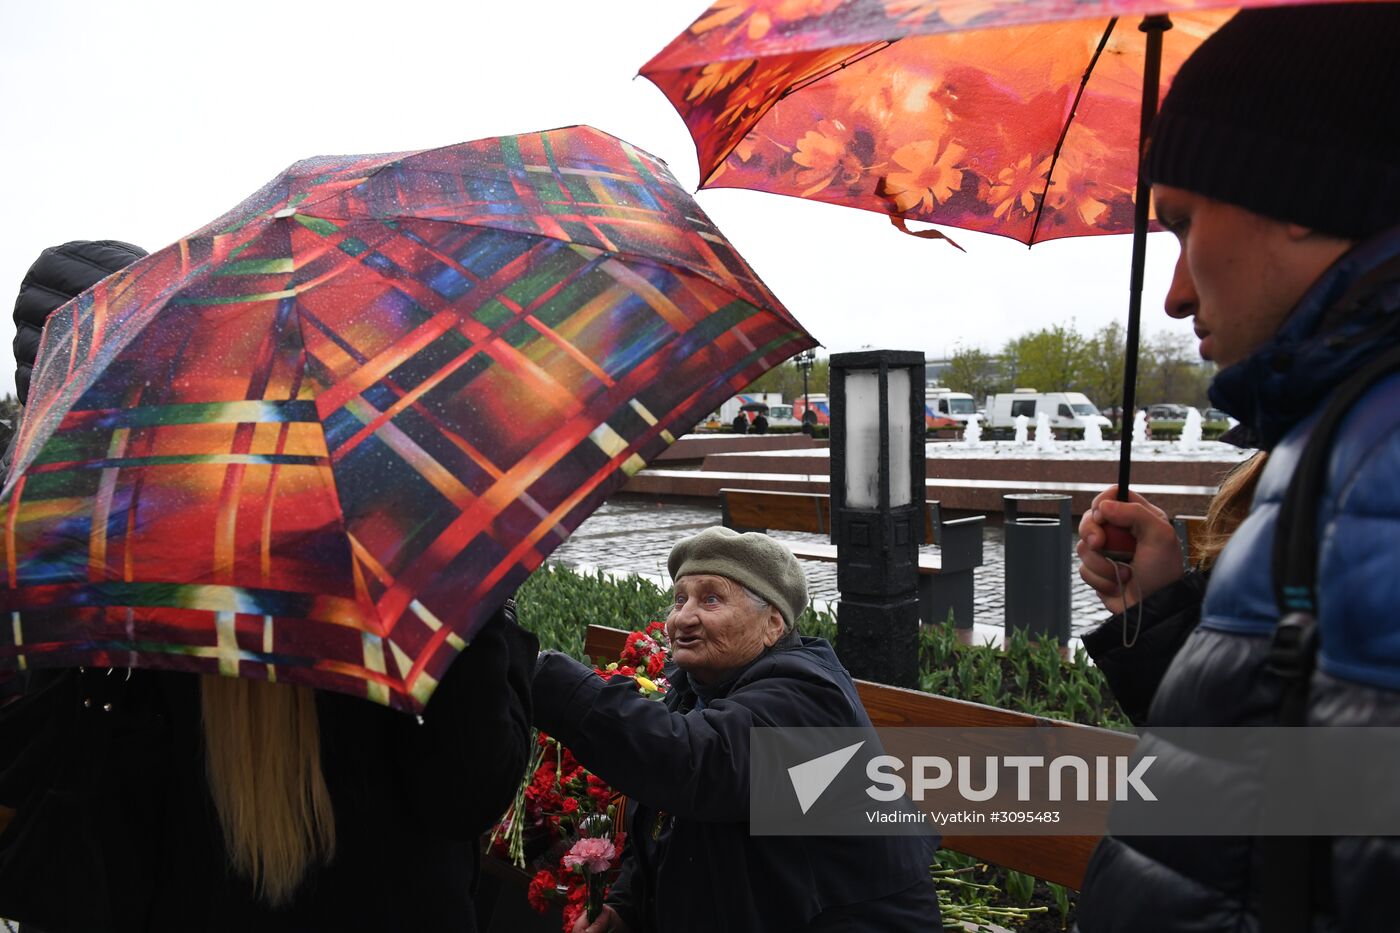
<point x="945" y="403"/>
<point x="1066" y="409"/>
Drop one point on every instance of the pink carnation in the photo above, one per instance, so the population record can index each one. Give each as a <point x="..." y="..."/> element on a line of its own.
<point x="592" y="855"/>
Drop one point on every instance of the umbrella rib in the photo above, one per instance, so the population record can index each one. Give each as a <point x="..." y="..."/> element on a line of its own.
<point x="1064" y="131"/>
<point x="865" y="52"/>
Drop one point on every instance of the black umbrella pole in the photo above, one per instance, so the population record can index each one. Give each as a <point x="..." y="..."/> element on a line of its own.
<point x="1119" y="544"/>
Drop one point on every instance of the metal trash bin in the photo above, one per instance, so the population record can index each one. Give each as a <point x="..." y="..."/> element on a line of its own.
<point x="1037" y="548"/>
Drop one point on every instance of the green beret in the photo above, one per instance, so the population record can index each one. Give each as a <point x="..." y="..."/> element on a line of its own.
<point x="754" y="560"/>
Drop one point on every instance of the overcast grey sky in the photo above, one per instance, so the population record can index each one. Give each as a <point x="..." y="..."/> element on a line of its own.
<point x="142" y="120"/>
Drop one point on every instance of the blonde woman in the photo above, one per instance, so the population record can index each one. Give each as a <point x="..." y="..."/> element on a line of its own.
<point x="211" y="804"/>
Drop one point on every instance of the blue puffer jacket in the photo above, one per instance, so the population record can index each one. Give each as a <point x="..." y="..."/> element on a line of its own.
<point x="1219" y="677"/>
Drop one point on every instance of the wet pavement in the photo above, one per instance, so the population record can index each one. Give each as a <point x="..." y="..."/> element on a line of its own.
<point x="634" y="536"/>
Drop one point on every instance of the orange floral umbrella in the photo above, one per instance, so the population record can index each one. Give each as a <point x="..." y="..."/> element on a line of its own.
<point x="1016" y="117"/>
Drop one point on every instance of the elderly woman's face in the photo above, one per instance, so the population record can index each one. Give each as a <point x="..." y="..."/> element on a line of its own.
<point x="714" y="627"/>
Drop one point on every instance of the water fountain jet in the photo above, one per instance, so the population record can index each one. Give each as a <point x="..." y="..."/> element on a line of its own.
<point x="1093" y="434"/>
<point x="972" y="434"/>
<point x="1191" y="431"/>
<point x="1044" y="437"/>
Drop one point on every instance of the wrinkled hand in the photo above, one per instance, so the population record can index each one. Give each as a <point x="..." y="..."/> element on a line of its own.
<point x="608" y="922"/>
<point x="1156" y="563"/>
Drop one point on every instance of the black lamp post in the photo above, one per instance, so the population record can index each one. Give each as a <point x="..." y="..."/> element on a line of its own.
<point x="877" y="504"/>
<point x="804" y="361"/>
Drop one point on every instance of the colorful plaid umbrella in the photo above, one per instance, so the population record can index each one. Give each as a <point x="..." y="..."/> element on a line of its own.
<point x="321" y="439"/>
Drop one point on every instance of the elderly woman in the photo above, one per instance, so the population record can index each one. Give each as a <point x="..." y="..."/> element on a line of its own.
<point x="690" y="862"/>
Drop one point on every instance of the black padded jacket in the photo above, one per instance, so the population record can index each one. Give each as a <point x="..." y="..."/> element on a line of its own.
<point x="60" y="274"/>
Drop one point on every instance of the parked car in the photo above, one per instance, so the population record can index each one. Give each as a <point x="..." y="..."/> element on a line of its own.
<point x="1167" y="412"/>
<point x="1214" y="414"/>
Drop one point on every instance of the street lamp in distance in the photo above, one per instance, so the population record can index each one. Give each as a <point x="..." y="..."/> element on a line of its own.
<point x="803" y="361"/>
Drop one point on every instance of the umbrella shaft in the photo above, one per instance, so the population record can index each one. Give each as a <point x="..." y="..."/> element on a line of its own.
<point x="1153" y="26"/>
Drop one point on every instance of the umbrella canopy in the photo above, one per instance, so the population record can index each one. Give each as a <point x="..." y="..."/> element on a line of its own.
<point x="1015" y="117"/>
<point x="322" y="438"/>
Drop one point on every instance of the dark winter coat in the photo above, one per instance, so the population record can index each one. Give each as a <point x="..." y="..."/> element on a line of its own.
<point x="1134" y="650"/>
<point x="1218" y="678"/>
<point x="685" y="763"/>
<point x="60" y="274"/>
<point x="115" y="824"/>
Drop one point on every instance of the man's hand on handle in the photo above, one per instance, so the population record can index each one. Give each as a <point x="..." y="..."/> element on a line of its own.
<point x="1156" y="563"/>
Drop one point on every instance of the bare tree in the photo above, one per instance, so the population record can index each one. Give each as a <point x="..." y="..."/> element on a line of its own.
<point x="1169" y="370"/>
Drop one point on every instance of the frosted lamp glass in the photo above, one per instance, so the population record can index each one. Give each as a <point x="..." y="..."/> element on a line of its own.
<point x="897" y="416"/>
<point x="863" y="439"/>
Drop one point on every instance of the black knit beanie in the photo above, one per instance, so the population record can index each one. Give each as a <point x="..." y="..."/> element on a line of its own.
<point x="60" y="274"/>
<point x="1292" y="113"/>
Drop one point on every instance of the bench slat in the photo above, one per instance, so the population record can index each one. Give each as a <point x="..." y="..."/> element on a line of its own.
<point x="811" y="550"/>
<point x="602" y="643"/>
<point x="791" y="511"/>
<point x="1061" y="859"/>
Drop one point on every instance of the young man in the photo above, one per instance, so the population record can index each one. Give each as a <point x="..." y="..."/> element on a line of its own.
<point x="1276" y="162"/>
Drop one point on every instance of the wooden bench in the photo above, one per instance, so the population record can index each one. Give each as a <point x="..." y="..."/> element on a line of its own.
<point x="1061" y="859"/>
<point x="945" y="579"/>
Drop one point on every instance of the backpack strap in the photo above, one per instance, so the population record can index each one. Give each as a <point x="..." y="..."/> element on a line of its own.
<point x="1297" y="869"/>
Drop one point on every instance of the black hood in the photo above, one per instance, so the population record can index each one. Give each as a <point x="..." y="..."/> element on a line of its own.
<point x="60" y="274"/>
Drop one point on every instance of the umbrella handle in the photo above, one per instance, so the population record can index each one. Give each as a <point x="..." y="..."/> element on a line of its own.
<point x="1118" y="544"/>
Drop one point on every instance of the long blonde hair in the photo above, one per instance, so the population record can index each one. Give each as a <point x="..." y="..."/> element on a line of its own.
<point x="1227" y="510"/>
<point x="262" y="747"/>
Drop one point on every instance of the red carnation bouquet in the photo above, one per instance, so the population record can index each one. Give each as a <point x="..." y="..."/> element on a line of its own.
<point x="565" y="824"/>
<point x="643" y="659"/>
